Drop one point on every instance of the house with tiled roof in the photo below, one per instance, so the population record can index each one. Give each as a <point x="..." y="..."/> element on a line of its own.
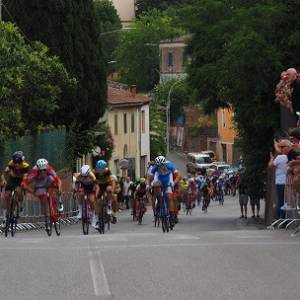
<point x="128" y="118"/>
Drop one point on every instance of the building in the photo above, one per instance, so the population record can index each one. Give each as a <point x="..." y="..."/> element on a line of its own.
<point x="223" y="145"/>
<point x="173" y="58"/>
<point x="128" y="118"/>
<point x="126" y="10"/>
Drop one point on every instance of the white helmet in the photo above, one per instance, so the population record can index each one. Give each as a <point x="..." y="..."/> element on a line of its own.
<point x="85" y="170"/>
<point x="160" y="160"/>
<point x="42" y="164"/>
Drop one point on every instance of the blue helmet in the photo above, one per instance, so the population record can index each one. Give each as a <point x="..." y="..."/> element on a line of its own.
<point x="101" y="165"/>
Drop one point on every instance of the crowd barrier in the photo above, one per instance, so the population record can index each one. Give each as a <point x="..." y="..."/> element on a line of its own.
<point x="291" y="207"/>
<point x="32" y="211"/>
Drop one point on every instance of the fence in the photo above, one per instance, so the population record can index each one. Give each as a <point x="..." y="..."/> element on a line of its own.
<point x="50" y="145"/>
<point x="32" y="211"/>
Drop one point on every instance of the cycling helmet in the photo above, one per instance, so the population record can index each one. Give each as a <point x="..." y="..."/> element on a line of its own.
<point x="160" y="160"/>
<point x="101" y="165"/>
<point x="42" y="164"/>
<point x="142" y="180"/>
<point x="18" y="157"/>
<point x="85" y="170"/>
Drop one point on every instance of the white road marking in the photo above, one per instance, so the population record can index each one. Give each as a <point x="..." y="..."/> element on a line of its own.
<point x="100" y="283"/>
<point x="180" y="237"/>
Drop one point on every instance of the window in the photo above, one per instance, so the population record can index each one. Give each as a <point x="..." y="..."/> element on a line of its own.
<point x="223" y="118"/>
<point x="170" y="59"/>
<point x="143" y="122"/>
<point x="184" y="58"/>
<point x="125" y="123"/>
<point x="116" y="124"/>
<point x="132" y="122"/>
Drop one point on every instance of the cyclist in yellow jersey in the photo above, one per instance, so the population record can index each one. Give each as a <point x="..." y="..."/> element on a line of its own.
<point x="107" y="183"/>
<point x="17" y="169"/>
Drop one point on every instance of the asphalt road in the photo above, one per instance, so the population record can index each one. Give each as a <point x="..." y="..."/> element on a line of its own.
<point x="207" y="256"/>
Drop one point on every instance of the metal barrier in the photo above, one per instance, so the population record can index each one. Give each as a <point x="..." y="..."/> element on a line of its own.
<point x="32" y="210"/>
<point x="291" y="208"/>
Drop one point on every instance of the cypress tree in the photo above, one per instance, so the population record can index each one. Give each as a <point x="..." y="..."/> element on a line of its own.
<point x="68" y="28"/>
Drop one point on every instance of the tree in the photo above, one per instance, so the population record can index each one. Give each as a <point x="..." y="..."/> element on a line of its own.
<point x="236" y="58"/>
<point x="31" y="84"/>
<point x="144" y="6"/>
<point x="108" y="23"/>
<point x="69" y="29"/>
<point x="138" y="51"/>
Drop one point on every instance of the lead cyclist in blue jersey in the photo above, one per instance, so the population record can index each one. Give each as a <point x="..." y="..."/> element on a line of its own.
<point x="165" y="172"/>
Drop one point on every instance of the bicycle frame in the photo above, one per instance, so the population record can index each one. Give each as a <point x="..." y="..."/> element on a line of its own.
<point x="86" y="214"/>
<point x="12" y="215"/>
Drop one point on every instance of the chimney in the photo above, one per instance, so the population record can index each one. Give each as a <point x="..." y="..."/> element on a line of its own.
<point x="133" y="90"/>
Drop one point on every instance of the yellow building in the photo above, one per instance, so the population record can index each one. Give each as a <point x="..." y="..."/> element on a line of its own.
<point x="128" y="118"/>
<point x="223" y="145"/>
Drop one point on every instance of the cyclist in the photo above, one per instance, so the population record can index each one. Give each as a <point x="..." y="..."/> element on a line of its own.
<point x="140" y="193"/>
<point x="17" y="169"/>
<point x="86" y="184"/>
<point x="104" y="179"/>
<point x="191" y="195"/>
<point x="165" y="171"/>
<point x="40" y="179"/>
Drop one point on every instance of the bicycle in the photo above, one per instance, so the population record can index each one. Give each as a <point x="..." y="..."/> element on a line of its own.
<point x="86" y="215"/>
<point x="12" y="215"/>
<point x="141" y="208"/>
<point x="164" y="212"/>
<point x="52" y="216"/>
<point x="102" y="215"/>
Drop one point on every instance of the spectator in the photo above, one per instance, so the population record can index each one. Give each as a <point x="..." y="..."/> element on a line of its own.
<point x="255" y="202"/>
<point x="280" y="163"/>
<point x="292" y="76"/>
<point x="243" y="197"/>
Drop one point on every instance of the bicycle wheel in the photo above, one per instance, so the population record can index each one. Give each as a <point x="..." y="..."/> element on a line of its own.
<point x="14" y="219"/>
<point x="7" y="223"/>
<point x="57" y="227"/>
<point x="48" y="225"/>
<point x="102" y="216"/>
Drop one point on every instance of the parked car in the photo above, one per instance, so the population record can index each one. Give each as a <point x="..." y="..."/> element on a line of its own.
<point x="220" y="166"/>
<point x="210" y="153"/>
<point x="198" y="162"/>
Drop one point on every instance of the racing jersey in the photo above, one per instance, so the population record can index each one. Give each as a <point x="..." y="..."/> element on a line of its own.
<point x="20" y="172"/>
<point x="103" y="178"/>
<point x="165" y="173"/>
<point x="86" y="180"/>
<point x="42" y="179"/>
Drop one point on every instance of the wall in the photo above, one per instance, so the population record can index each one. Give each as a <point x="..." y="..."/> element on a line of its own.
<point x="126" y="10"/>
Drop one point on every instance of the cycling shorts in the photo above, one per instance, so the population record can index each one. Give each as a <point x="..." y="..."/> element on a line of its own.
<point x="13" y="183"/>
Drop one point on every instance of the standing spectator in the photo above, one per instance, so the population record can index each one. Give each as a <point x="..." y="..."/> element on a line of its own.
<point x="292" y="77"/>
<point x="126" y="186"/>
<point x="243" y="197"/>
<point x="255" y="202"/>
<point x="280" y="163"/>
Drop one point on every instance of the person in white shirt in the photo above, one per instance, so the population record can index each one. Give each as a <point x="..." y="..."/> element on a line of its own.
<point x="280" y="162"/>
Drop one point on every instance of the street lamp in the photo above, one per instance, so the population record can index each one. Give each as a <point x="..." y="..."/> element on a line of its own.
<point x="168" y="112"/>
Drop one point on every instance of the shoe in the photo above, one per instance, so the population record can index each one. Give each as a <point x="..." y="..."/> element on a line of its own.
<point x="245" y="217"/>
<point x="79" y="215"/>
<point x="114" y="220"/>
<point x="96" y="225"/>
<point x="241" y="217"/>
<point x="60" y="207"/>
<point x="253" y="217"/>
